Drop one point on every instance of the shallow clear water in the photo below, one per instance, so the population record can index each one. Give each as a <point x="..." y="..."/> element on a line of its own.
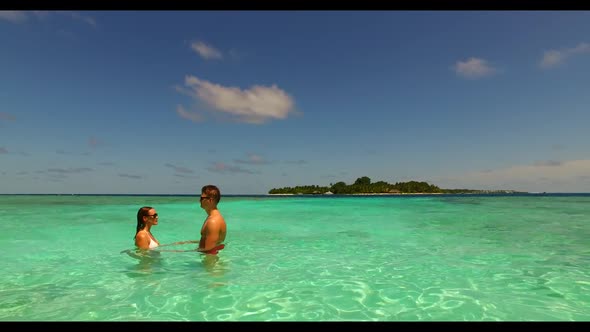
<point x="300" y="259"/>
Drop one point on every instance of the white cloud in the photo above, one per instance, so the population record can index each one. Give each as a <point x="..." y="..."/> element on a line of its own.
<point x="93" y="142"/>
<point x="185" y="91"/>
<point x="554" y="58"/>
<point x="257" y="104"/>
<point x="207" y="52"/>
<point x="299" y="162"/>
<point x="7" y="116"/>
<point x="76" y="16"/>
<point x="473" y="68"/>
<point x="131" y="176"/>
<point x="179" y="169"/>
<point x="253" y="159"/>
<point x="14" y="16"/>
<point x="548" y="176"/>
<point x="17" y="16"/>
<point x="71" y="170"/>
<point x="194" y="117"/>
<point x="40" y="14"/>
<point x="548" y="163"/>
<point x="220" y="167"/>
<point x="551" y="59"/>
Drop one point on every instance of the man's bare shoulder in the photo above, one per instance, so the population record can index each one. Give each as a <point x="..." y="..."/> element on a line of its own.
<point x="217" y="217"/>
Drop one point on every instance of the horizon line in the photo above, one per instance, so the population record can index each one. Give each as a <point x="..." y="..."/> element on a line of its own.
<point x="275" y="195"/>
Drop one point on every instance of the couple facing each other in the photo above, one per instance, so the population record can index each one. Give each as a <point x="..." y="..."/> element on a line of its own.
<point x="212" y="232"/>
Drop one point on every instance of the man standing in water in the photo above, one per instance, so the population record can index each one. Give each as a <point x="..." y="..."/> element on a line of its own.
<point x="214" y="228"/>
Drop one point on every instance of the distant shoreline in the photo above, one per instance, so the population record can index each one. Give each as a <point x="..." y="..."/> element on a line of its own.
<point x="359" y="194"/>
<point x="402" y="194"/>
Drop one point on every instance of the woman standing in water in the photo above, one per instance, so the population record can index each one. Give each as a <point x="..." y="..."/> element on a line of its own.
<point x="146" y="218"/>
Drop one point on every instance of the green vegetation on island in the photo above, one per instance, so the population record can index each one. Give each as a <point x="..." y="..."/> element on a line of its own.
<point x="363" y="185"/>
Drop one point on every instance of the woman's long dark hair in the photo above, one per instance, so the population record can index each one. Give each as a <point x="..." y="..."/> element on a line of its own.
<point x="140" y="214"/>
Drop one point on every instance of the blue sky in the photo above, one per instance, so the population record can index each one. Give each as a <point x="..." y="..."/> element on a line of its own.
<point x="166" y="102"/>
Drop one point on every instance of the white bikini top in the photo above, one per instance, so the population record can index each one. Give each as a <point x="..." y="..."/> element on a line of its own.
<point x="153" y="244"/>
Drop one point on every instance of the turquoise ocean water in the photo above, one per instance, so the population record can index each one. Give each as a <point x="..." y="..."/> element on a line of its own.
<point x="427" y="258"/>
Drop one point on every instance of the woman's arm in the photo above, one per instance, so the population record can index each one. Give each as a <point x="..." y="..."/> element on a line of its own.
<point x="177" y="243"/>
<point x="158" y="250"/>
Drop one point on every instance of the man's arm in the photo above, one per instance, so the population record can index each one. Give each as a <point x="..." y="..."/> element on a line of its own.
<point x="211" y="235"/>
<point x="181" y="242"/>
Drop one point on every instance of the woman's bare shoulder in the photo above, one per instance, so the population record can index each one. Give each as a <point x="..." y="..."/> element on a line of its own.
<point x="141" y="235"/>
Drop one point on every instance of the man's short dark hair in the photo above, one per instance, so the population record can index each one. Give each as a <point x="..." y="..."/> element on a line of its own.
<point x="212" y="191"/>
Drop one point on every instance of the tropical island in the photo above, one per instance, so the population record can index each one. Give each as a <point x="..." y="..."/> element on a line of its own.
<point x="364" y="186"/>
